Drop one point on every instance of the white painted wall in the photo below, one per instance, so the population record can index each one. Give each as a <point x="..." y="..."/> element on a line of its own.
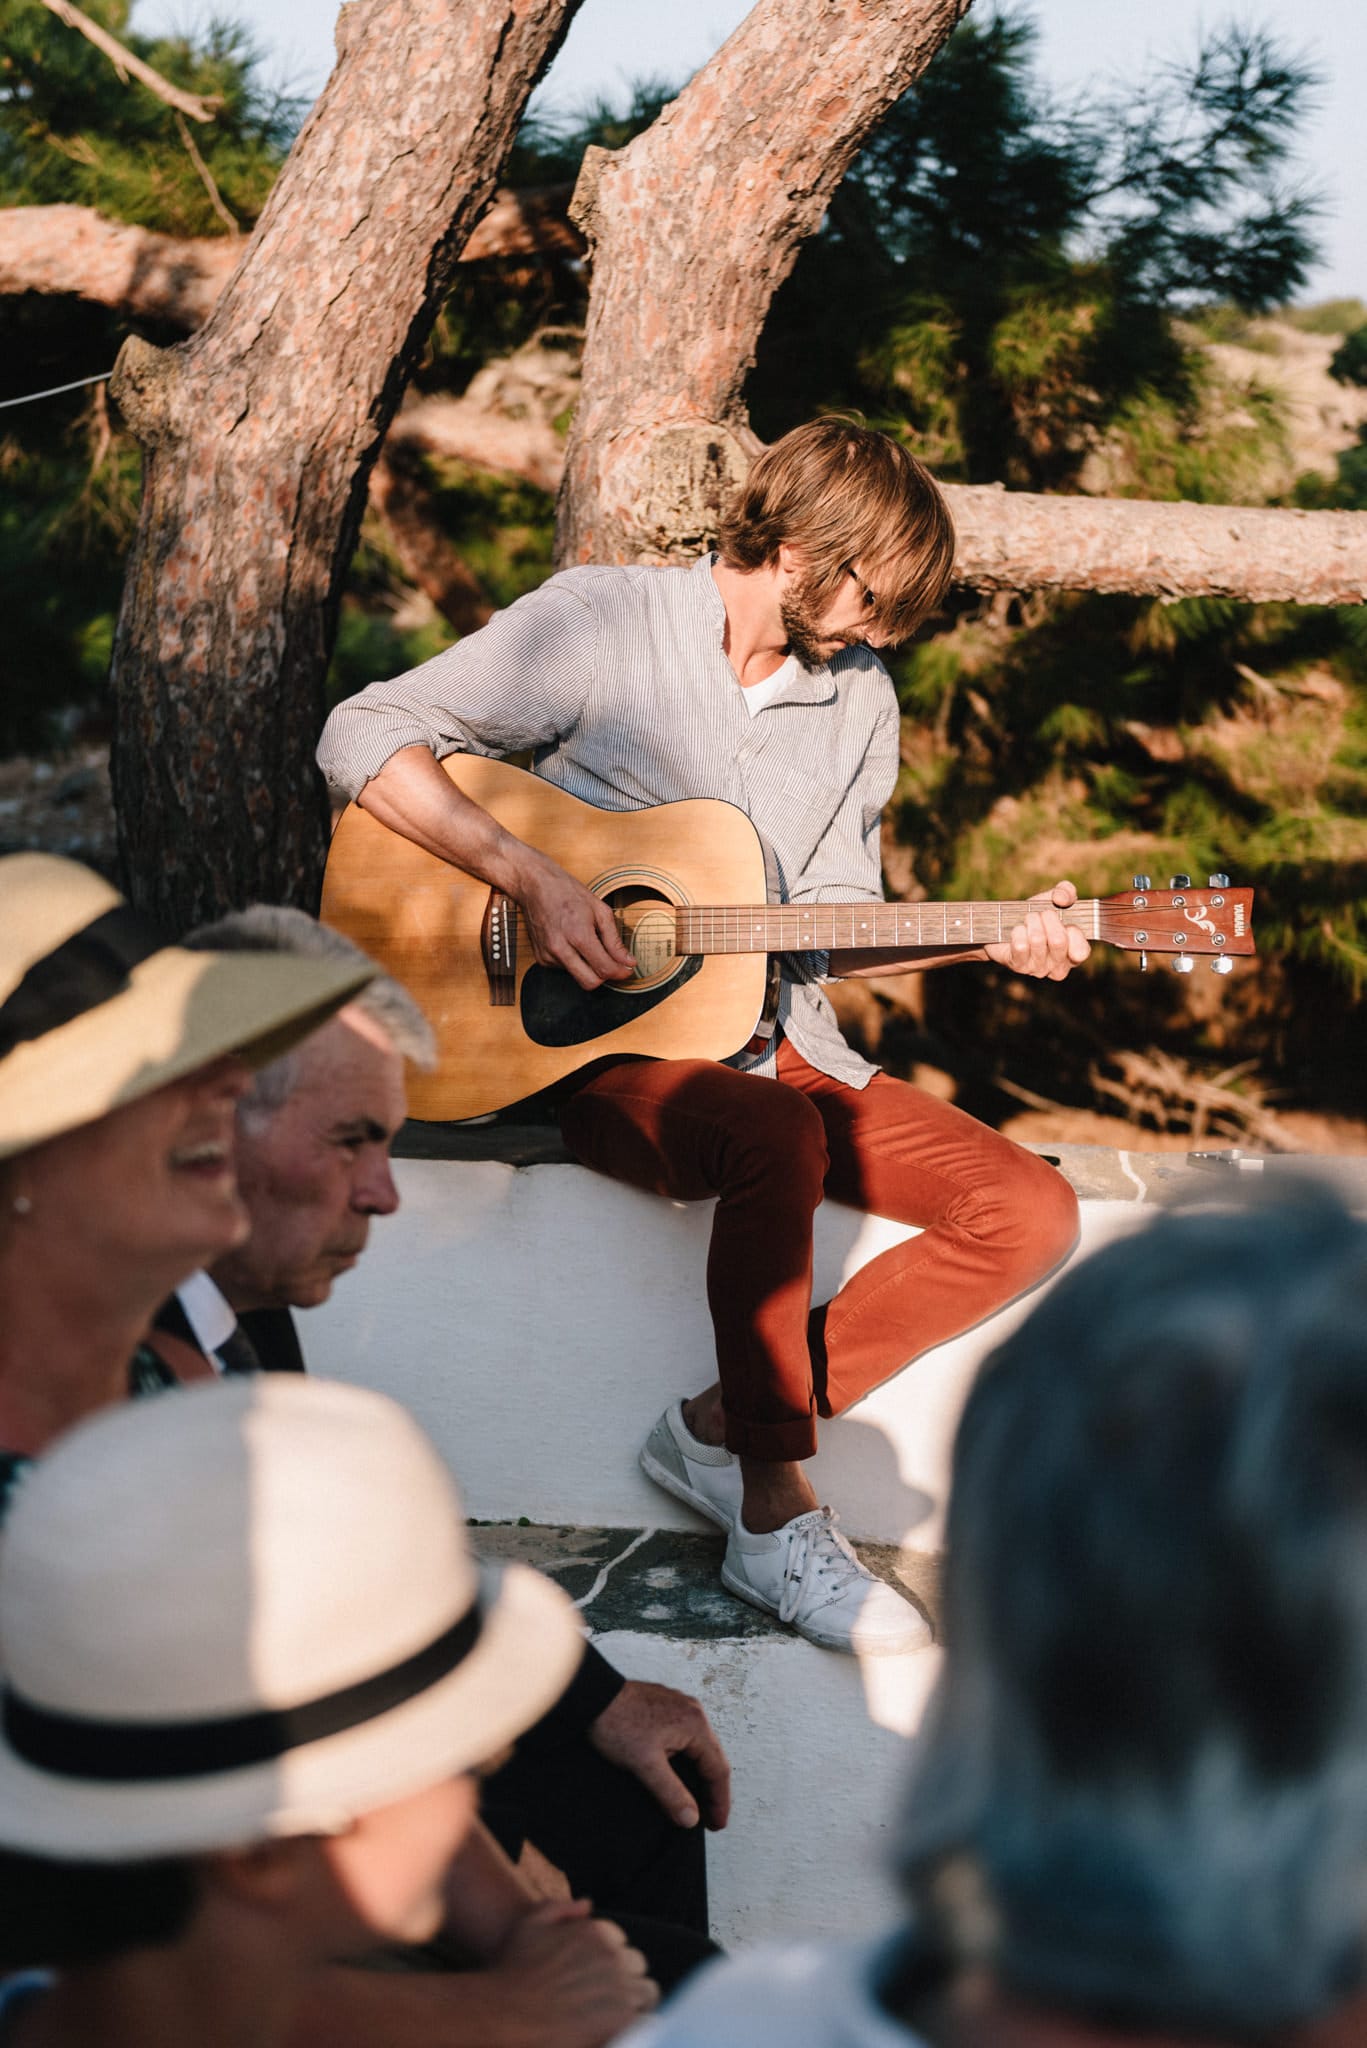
<point x="819" y="1756"/>
<point x="537" y="1320"/>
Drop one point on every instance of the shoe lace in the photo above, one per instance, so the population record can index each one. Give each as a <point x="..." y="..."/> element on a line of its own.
<point x="819" y="1567"/>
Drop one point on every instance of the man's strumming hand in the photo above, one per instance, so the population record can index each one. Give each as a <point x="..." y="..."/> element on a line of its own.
<point x="570" y="927"/>
<point x="644" y="1727"/>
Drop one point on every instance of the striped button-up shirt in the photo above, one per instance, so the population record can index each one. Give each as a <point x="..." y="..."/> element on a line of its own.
<point x="617" y="680"/>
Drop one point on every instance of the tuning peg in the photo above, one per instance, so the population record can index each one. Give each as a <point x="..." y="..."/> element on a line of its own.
<point x="1218" y="881"/>
<point x="1179" y="881"/>
<point x="1143" y="963"/>
<point x="1184" y="963"/>
<point x="1222" y="964"/>
<point x="1141" y="881"/>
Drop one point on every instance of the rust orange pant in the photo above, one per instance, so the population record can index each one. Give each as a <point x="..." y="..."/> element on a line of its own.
<point x="995" y="1219"/>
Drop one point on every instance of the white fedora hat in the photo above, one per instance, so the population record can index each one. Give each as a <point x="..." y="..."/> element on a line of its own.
<point x="96" y="1009"/>
<point x="245" y="1610"/>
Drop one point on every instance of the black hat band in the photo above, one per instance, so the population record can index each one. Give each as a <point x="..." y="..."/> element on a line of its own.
<point x="126" y="1752"/>
<point x="89" y="968"/>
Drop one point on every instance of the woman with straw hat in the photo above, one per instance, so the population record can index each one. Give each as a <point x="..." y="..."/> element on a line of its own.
<point x="249" y="1665"/>
<point x="121" y="1060"/>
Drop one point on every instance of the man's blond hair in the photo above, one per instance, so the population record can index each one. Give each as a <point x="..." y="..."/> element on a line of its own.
<point x="842" y="493"/>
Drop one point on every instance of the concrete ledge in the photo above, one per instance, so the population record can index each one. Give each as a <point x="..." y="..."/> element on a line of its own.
<point x="818" y="1742"/>
<point x="537" y="1318"/>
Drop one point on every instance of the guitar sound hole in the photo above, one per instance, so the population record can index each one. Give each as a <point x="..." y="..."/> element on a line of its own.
<point x="645" y="921"/>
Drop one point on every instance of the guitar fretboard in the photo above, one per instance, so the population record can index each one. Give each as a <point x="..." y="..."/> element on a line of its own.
<point x="846" y="927"/>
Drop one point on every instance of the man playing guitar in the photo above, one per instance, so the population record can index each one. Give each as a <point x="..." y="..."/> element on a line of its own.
<point x="750" y="675"/>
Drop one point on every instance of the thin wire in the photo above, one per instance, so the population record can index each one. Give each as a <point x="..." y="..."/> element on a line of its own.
<point x="57" y="389"/>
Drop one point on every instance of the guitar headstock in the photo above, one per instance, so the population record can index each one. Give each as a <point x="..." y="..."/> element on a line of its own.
<point x="1180" y="920"/>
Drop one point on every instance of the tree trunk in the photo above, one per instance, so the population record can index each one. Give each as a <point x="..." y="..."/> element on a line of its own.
<point x="1012" y="540"/>
<point x="259" y="435"/>
<point x="693" y="227"/>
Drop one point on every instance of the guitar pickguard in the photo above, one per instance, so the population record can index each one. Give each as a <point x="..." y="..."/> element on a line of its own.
<point x="557" y="1012"/>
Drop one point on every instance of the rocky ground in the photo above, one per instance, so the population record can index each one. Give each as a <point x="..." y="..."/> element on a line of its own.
<point x="60" y="804"/>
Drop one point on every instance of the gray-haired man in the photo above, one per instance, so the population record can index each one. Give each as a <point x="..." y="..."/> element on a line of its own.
<point x="313" y="1143"/>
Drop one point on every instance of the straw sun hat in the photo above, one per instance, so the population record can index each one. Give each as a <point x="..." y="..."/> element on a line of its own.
<point x="96" y="1009"/>
<point x="246" y="1610"/>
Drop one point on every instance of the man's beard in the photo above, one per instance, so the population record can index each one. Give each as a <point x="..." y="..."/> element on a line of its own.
<point x="800" y="616"/>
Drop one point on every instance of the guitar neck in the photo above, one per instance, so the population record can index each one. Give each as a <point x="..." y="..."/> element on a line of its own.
<point x="850" y="927"/>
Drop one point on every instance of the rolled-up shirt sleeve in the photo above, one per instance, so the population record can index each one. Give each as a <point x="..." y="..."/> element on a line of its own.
<point x="521" y="681"/>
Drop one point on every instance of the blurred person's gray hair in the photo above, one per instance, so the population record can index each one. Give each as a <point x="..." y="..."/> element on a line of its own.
<point x="1142" y="1787"/>
<point x="280" y="928"/>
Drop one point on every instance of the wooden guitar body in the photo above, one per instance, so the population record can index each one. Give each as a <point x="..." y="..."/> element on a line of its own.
<point x="506" y="1028"/>
<point x="686" y="883"/>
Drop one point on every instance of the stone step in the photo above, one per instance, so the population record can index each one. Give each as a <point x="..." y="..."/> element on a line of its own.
<point x="818" y="1742"/>
<point x="537" y="1318"/>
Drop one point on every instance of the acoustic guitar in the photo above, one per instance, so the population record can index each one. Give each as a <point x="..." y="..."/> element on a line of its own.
<point x="686" y="882"/>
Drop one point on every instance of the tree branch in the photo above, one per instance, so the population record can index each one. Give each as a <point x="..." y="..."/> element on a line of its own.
<point x="73" y="250"/>
<point x="1013" y="540"/>
<point x="399" y="494"/>
<point x="206" y="178"/>
<point x="146" y="276"/>
<point x="198" y="107"/>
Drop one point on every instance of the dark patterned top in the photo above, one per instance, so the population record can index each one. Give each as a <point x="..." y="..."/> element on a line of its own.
<point x="146" y="1375"/>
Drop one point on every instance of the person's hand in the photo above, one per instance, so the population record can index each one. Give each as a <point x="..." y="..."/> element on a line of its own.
<point x="544" y="1880"/>
<point x="648" y="1724"/>
<point x="567" y="1981"/>
<point x="1044" y="946"/>
<point x="570" y="927"/>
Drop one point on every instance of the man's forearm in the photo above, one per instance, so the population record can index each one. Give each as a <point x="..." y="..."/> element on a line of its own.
<point x="414" y="797"/>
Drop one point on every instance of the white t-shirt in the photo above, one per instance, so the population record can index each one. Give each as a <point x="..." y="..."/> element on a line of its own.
<point x="809" y="1995"/>
<point x="757" y="695"/>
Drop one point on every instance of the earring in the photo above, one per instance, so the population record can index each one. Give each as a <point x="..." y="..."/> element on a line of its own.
<point x="22" y="1205"/>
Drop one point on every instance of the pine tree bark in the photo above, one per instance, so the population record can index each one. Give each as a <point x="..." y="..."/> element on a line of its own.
<point x="259" y="434"/>
<point x="693" y="226"/>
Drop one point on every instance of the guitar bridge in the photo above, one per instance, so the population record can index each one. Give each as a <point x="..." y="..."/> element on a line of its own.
<point x="498" y="944"/>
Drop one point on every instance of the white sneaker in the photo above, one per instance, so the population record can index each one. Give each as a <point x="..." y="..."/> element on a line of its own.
<point x="808" y="1575"/>
<point x="704" y="1475"/>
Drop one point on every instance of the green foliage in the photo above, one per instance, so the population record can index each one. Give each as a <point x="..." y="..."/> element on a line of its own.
<point x="997" y="273"/>
<point x="1349" y="361"/>
<point x="1210" y="444"/>
<point x="1330" y="316"/>
<point x="71" y="131"/>
<point x="371" y="647"/>
<point x="1345" y="491"/>
<point x="503" y="529"/>
<point x="1111" y="735"/>
<point x="61" y="578"/>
